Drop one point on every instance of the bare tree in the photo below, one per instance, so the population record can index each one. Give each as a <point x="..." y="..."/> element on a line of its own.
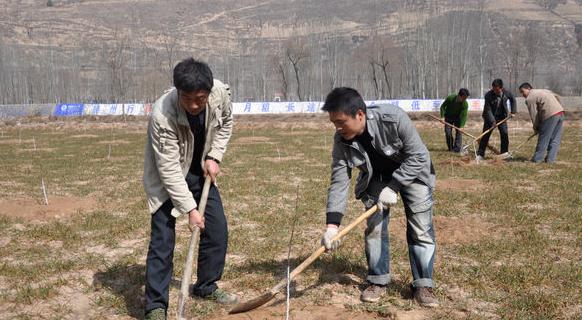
<point x="297" y="54"/>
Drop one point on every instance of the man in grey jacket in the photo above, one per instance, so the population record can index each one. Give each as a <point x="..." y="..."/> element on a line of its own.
<point x="187" y="136"/>
<point x="382" y="142"/>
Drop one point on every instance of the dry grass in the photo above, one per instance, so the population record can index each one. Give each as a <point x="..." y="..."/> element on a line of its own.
<point x="508" y="232"/>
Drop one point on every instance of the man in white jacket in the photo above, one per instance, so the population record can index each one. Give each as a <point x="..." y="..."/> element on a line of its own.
<point x="189" y="129"/>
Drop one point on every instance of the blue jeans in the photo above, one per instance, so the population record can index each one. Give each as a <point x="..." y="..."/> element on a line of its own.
<point x="418" y="206"/>
<point x="550" y="136"/>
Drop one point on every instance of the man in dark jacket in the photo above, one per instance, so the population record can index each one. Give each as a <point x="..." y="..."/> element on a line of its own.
<point x="382" y="142"/>
<point x="454" y="109"/>
<point x="495" y="110"/>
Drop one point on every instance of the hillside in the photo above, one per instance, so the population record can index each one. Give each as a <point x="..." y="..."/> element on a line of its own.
<point x="80" y="35"/>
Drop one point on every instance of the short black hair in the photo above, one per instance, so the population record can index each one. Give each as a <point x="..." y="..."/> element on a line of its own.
<point x="344" y="99"/>
<point x="497" y="83"/>
<point x="464" y="92"/>
<point x="525" y="85"/>
<point x="192" y="75"/>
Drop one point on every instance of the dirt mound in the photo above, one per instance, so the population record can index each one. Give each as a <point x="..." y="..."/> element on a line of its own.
<point x="35" y="209"/>
<point x="313" y="312"/>
<point x="253" y="139"/>
<point x="281" y="159"/>
<point x="449" y="230"/>
<point x="459" y="184"/>
<point x="463" y="161"/>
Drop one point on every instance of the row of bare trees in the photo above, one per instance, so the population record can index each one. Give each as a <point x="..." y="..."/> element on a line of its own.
<point x="424" y="58"/>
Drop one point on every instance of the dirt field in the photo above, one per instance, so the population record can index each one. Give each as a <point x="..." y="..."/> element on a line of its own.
<point x="508" y="232"/>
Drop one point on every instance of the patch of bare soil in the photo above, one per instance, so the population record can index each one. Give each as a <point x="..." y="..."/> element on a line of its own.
<point x="449" y="230"/>
<point x="10" y="141"/>
<point x="313" y="312"/>
<point x="461" y="162"/>
<point x="282" y="159"/>
<point x="114" y="142"/>
<point x="35" y="209"/>
<point x="253" y="139"/>
<point x="452" y="184"/>
<point x="31" y="149"/>
<point x="84" y="136"/>
<point x="283" y="121"/>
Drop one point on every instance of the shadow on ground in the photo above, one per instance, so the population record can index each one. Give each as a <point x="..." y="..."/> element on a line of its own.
<point x="331" y="271"/>
<point x="126" y="282"/>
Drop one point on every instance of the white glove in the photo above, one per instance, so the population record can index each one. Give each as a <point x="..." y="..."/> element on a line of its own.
<point x="387" y="199"/>
<point x="327" y="236"/>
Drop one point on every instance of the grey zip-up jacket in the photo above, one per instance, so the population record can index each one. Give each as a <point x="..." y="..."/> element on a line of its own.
<point x="170" y="144"/>
<point x="394" y="134"/>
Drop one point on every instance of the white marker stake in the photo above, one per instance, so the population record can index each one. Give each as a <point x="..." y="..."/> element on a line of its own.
<point x="34" y="143"/>
<point x="44" y="191"/>
<point x="287" y="306"/>
<point x="109" y="154"/>
<point x="279" y="153"/>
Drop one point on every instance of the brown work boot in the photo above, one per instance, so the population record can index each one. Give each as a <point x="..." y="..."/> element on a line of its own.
<point x="425" y="297"/>
<point x="373" y="293"/>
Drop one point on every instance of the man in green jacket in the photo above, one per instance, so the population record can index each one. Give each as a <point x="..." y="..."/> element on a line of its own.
<point x="454" y="109"/>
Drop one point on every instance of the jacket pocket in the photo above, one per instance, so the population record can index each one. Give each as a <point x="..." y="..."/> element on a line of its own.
<point x="162" y="139"/>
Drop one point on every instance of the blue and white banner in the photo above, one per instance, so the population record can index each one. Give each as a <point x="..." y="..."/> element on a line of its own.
<point x="138" y="109"/>
<point x="276" y="107"/>
<point x="114" y="109"/>
<point x="134" y="109"/>
<point x="68" y="110"/>
<point x="410" y="105"/>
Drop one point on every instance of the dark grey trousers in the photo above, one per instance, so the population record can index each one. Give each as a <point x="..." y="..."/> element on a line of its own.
<point x="211" y="254"/>
<point x="503" y="136"/>
<point x="457" y="144"/>
<point x="549" y="139"/>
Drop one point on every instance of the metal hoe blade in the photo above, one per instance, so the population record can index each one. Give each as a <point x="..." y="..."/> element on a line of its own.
<point x="261" y="300"/>
<point x="253" y="304"/>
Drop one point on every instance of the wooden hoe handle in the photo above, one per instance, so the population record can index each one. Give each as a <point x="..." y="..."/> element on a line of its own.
<point x="188" y="267"/>
<point x="300" y="268"/>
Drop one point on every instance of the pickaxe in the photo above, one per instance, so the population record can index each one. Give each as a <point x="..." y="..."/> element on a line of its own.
<point x="487" y="131"/>
<point x="492" y="148"/>
<point x="269" y="295"/>
<point x="528" y="139"/>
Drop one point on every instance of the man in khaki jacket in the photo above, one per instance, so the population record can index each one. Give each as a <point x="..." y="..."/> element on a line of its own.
<point x="187" y="136"/>
<point x="547" y="115"/>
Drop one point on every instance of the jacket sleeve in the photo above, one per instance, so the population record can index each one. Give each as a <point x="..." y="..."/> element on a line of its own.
<point x="532" y="108"/>
<point x="167" y="154"/>
<point x="337" y="195"/>
<point x="464" y="113"/>
<point x="444" y="107"/>
<point x="487" y="113"/>
<point x="416" y="156"/>
<point x="222" y="136"/>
